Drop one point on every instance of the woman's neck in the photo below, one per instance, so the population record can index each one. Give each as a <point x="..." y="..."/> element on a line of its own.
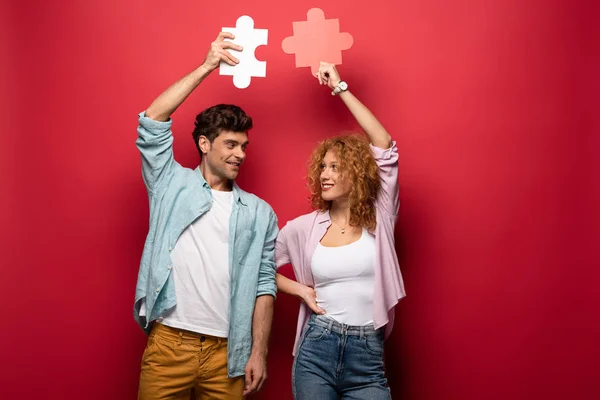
<point x="340" y="211"/>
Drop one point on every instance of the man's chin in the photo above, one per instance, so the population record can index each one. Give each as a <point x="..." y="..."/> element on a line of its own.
<point x="232" y="175"/>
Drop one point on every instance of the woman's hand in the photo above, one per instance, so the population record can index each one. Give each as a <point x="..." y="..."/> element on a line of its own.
<point x="298" y="290"/>
<point x="328" y="75"/>
<point x="309" y="297"/>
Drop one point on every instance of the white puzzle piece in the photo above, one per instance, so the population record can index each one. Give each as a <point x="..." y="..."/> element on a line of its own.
<point x="249" y="38"/>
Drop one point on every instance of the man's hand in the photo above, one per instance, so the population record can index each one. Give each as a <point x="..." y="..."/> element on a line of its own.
<point x="256" y="373"/>
<point x="218" y="52"/>
<point x="309" y="297"/>
<point x="328" y="75"/>
<point x="166" y="104"/>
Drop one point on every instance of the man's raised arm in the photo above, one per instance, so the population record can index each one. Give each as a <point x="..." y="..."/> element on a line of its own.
<point x="165" y="104"/>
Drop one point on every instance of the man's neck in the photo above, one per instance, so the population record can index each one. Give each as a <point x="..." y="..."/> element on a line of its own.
<point x="215" y="182"/>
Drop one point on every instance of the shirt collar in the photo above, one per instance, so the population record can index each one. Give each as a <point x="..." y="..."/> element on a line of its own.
<point x="322" y="217"/>
<point x="238" y="194"/>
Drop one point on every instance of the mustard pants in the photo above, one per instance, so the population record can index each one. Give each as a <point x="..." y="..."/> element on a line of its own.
<point x="177" y="363"/>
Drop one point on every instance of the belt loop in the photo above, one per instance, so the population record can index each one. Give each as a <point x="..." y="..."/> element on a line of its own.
<point x="330" y="325"/>
<point x="362" y="332"/>
<point x="180" y="338"/>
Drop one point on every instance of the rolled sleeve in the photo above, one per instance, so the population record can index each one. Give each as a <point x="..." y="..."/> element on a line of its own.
<point x="266" y="276"/>
<point x="155" y="143"/>
<point x="387" y="161"/>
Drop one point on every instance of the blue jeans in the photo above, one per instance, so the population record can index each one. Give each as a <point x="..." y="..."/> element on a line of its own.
<point x="339" y="361"/>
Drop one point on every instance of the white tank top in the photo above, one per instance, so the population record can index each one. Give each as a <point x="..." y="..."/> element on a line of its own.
<point x="344" y="280"/>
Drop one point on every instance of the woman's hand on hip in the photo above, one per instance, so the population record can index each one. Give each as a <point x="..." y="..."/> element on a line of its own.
<point x="309" y="297"/>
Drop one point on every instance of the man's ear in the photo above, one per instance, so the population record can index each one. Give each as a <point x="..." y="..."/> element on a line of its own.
<point x="204" y="144"/>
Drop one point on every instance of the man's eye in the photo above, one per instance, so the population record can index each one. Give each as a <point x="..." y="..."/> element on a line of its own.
<point x="229" y="145"/>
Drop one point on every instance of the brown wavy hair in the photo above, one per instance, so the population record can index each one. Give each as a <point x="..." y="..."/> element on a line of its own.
<point x="222" y="117"/>
<point x="358" y="166"/>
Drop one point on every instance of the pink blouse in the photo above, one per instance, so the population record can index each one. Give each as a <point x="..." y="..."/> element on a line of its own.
<point x="299" y="238"/>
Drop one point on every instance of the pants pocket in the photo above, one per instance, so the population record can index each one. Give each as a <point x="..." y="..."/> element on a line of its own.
<point x="150" y="347"/>
<point x="373" y="344"/>
<point x="315" y="332"/>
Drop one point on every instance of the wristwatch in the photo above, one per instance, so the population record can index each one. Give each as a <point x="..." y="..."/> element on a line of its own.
<point x="341" y="87"/>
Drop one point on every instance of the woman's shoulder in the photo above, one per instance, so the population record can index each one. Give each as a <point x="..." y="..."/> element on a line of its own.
<point x="303" y="223"/>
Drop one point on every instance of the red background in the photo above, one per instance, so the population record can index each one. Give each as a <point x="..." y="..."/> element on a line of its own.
<point x="491" y="106"/>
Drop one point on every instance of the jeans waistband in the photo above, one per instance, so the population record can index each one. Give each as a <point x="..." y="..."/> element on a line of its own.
<point x="339" y="328"/>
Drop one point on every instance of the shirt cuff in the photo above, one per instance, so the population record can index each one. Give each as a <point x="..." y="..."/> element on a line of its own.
<point x="150" y="124"/>
<point x="384" y="154"/>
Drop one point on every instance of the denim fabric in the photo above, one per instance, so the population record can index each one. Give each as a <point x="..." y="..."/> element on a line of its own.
<point x="339" y="361"/>
<point x="178" y="196"/>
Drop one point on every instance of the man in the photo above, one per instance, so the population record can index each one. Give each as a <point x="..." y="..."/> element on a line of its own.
<point x="206" y="284"/>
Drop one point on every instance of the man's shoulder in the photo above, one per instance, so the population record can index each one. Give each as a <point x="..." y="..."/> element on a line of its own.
<point x="254" y="201"/>
<point x="185" y="176"/>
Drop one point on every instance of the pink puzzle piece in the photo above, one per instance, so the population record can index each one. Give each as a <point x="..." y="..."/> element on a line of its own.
<point x="317" y="39"/>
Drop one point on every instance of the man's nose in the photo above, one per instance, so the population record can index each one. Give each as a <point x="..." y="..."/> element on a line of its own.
<point x="240" y="153"/>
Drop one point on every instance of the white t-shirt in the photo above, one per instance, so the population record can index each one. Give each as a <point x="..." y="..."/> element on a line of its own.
<point x="344" y="280"/>
<point x="201" y="272"/>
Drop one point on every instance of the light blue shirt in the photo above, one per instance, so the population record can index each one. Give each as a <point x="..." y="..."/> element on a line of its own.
<point x="178" y="196"/>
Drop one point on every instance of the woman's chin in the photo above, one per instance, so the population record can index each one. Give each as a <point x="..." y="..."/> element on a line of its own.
<point x="327" y="197"/>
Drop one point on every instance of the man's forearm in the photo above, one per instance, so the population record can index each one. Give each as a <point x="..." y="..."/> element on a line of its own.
<point x="261" y="324"/>
<point x="168" y="101"/>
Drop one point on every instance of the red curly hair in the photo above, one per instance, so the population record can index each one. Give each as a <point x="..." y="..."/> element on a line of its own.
<point x="358" y="166"/>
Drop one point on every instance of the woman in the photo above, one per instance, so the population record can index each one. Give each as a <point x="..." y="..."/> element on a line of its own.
<point x="344" y="260"/>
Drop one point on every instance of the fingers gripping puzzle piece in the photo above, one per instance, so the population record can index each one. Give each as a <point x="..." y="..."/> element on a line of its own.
<point x="317" y="39"/>
<point x="249" y="38"/>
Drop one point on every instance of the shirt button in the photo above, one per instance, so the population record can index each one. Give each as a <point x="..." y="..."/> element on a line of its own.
<point x="169" y="267"/>
<point x="170" y="248"/>
<point x="157" y="289"/>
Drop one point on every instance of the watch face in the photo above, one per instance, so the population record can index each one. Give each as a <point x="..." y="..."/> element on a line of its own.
<point x="343" y="85"/>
